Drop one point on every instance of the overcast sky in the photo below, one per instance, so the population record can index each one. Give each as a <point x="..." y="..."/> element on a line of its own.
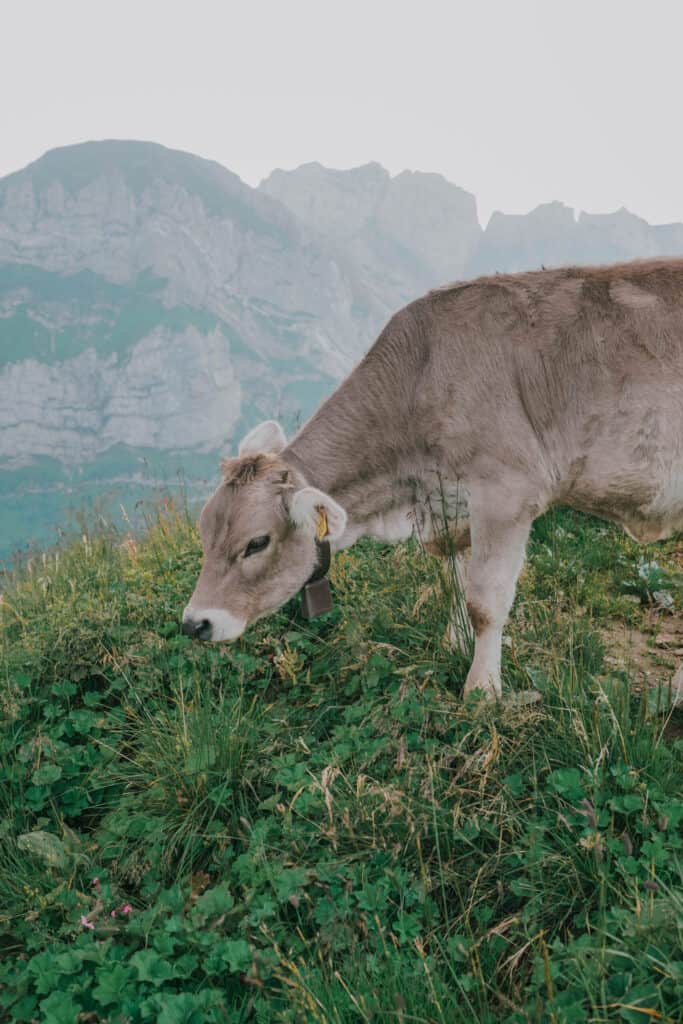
<point x="518" y="101"/>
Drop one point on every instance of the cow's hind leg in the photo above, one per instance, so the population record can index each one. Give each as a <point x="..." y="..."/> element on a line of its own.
<point x="498" y="549"/>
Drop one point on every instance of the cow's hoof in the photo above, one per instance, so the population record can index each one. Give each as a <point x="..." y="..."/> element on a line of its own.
<point x="487" y="688"/>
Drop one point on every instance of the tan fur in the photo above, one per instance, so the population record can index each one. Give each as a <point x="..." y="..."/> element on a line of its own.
<point x="507" y="394"/>
<point x="244" y="470"/>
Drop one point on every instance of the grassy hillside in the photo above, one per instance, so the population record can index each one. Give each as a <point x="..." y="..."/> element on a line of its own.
<point x="310" y="826"/>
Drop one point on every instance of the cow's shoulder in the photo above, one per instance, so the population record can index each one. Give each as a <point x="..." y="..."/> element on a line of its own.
<point x="504" y="301"/>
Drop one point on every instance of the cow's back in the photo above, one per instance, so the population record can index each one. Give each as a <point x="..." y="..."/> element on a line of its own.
<point x="574" y="375"/>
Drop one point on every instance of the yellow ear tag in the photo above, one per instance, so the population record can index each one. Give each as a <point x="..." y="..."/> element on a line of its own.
<point x="322" y="529"/>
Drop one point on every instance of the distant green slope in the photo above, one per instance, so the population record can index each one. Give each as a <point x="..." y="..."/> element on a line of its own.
<point x="94" y="313"/>
<point x="46" y="500"/>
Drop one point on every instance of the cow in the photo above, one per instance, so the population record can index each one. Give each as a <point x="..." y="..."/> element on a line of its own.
<point x="496" y="399"/>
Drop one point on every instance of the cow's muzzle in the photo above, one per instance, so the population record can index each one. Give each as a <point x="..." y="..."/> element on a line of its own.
<point x="198" y="629"/>
<point x="214" y="624"/>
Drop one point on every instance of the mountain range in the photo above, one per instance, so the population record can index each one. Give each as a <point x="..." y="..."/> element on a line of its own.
<point x="153" y="306"/>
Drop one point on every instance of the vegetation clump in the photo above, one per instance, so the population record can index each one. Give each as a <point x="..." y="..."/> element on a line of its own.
<point x="309" y="825"/>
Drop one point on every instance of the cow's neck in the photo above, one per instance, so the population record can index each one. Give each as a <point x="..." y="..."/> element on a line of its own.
<point x="359" y="448"/>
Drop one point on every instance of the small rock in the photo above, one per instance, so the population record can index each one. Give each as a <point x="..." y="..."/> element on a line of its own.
<point x="663" y="600"/>
<point x="45" y="846"/>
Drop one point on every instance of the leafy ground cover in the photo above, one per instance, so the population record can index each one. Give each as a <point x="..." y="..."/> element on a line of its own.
<point x="310" y="825"/>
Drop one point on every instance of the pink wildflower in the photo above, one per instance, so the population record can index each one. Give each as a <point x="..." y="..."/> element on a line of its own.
<point x="125" y="908"/>
<point x="85" y="922"/>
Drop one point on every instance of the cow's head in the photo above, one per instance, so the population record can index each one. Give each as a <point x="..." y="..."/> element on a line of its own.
<point x="258" y="533"/>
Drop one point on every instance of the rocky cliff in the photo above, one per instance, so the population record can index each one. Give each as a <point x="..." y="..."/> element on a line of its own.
<point x="151" y="301"/>
<point x="552" y="236"/>
<point x="108" y="248"/>
<point x="402" y="235"/>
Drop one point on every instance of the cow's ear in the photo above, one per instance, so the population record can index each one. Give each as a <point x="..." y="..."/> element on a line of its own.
<point x="317" y="512"/>
<point x="268" y="437"/>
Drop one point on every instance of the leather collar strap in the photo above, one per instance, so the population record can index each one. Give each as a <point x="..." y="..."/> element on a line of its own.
<point x="316" y="597"/>
<point x="324" y="559"/>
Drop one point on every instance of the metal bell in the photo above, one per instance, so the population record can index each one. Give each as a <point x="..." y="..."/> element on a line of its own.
<point x="316" y="598"/>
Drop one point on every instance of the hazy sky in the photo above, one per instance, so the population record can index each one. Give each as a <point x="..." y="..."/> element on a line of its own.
<point x="516" y="100"/>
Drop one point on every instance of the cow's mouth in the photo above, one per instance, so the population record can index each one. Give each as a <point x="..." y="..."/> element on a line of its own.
<point x="212" y="624"/>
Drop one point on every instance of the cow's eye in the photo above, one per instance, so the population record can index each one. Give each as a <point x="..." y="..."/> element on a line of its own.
<point x="256" y="544"/>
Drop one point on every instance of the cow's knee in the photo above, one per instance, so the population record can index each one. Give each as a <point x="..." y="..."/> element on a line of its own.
<point x="479" y="617"/>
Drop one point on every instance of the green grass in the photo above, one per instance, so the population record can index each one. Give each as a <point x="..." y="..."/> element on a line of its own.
<point x="310" y="825"/>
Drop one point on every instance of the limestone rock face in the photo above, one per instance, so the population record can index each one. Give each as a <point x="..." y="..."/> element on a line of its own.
<point x="76" y="409"/>
<point x="121" y="210"/>
<point x="404" y="234"/>
<point x="432" y="218"/>
<point x="337" y="204"/>
<point x="551" y="236"/>
<point x="511" y="242"/>
<point x="151" y="302"/>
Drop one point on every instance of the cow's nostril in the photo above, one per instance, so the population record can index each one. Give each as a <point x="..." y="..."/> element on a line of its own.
<point x="198" y="629"/>
<point x="203" y="630"/>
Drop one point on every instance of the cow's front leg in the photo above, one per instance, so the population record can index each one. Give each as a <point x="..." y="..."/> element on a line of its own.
<point x="498" y="549"/>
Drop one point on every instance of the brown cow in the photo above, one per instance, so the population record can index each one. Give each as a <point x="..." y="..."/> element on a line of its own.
<point x="508" y="395"/>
